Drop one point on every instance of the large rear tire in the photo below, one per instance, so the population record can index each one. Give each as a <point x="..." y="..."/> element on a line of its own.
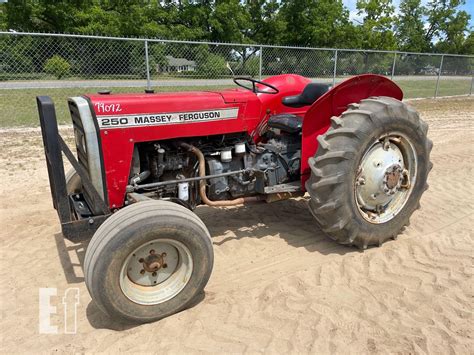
<point x="369" y="172"/>
<point x="148" y="261"/>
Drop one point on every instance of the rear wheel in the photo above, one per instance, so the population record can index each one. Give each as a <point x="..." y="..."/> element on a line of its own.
<point x="369" y="172"/>
<point x="148" y="261"/>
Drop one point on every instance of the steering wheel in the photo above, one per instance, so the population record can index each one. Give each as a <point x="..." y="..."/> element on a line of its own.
<point x="254" y="87"/>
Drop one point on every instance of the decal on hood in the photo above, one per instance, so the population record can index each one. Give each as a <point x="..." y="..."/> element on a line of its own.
<point x="158" y="119"/>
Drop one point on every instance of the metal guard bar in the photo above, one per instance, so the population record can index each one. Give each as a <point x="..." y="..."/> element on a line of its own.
<point x="54" y="146"/>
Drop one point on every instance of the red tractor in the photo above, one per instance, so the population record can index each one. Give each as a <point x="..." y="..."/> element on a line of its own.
<point x="144" y="162"/>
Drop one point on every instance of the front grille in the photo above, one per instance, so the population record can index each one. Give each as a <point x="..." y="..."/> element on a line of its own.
<point x="81" y="147"/>
<point x="80" y="137"/>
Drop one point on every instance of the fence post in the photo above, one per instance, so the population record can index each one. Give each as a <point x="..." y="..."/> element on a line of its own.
<point x="260" y="64"/>
<point x="393" y="65"/>
<point x="335" y="68"/>
<point x="147" y="64"/>
<point x="472" y="83"/>
<point x="439" y="76"/>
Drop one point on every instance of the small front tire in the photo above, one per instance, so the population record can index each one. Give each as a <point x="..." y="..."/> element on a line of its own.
<point x="148" y="261"/>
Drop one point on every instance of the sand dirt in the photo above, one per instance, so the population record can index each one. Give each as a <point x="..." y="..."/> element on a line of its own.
<point x="278" y="285"/>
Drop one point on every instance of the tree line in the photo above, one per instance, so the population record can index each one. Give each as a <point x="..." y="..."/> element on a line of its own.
<point x="438" y="26"/>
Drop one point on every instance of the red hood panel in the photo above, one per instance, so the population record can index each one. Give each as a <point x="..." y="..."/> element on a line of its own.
<point x="127" y="119"/>
<point x="237" y="95"/>
<point x="123" y="104"/>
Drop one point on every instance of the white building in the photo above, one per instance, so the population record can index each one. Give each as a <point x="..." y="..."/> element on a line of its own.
<point x="178" y="65"/>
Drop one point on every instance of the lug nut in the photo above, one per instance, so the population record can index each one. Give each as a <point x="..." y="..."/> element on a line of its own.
<point x="153" y="274"/>
<point x="142" y="271"/>
<point x="165" y="266"/>
<point x="152" y="251"/>
<point x="141" y="260"/>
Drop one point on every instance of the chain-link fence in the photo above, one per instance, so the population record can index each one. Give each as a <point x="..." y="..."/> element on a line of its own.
<point x="32" y="60"/>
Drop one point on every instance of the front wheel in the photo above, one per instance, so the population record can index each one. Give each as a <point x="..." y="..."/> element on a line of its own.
<point x="148" y="261"/>
<point x="73" y="182"/>
<point x="369" y="172"/>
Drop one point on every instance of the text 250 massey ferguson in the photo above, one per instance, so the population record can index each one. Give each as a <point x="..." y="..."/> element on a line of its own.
<point x="145" y="161"/>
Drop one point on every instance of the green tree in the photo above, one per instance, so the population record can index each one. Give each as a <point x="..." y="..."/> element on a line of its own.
<point x="320" y="23"/>
<point x="195" y="15"/>
<point x="212" y="66"/>
<point x="96" y="20"/>
<point x="15" y="57"/>
<point x="410" y="27"/>
<point x="3" y="17"/>
<point x="317" y="23"/>
<point x="268" y="26"/>
<point x="44" y="15"/>
<point x="468" y="46"/>
<point x="230" y="22"/>
<point x="377" y="26"/>
<point x="18" y="15"/>
<point x="57" y="66"/>
<point x="448" y="26"/>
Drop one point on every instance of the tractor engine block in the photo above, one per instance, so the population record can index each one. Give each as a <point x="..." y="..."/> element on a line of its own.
<point x="273" y="161"/>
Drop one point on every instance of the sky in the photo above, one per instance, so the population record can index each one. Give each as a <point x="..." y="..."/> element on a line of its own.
<point x="351" y="5"/>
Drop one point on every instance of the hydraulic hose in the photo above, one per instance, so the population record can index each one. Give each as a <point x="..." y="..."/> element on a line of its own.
<point x="202" y="183"/>
<point x="140" y="177"/>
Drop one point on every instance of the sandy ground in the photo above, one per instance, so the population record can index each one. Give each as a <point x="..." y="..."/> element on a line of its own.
<point x="279" y="285"/>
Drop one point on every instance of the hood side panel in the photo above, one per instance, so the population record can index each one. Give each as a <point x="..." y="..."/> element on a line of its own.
<point x="127" y="119"/>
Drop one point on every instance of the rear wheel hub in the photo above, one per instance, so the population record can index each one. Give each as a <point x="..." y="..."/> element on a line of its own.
<point x="393" y="179"/>
<point x="382" y="184"/>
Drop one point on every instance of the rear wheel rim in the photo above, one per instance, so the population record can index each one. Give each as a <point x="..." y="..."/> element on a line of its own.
<point x="156" y="271"/>
<point x="385" y="178"/>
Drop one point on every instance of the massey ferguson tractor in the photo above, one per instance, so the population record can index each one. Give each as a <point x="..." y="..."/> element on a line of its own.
<point x="144" y="162"/>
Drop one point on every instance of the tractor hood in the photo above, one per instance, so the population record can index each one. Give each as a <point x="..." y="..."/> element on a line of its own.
<point x="119" y="105"/>
<point x="171" y="109"/>
<point x="129" y="104"/>
<point x="124" y="120"/>
<point x="237" y="95"/>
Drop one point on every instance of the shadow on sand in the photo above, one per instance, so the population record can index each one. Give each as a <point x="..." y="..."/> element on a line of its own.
<point x="289" y="220"/>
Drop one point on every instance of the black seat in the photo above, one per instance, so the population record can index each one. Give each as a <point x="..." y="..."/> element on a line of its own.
<point x="286" y="122"/>
<point x="310" y="94"/>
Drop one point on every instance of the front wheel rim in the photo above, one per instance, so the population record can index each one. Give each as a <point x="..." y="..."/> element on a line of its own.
<point x="156" y="271"/>
<point x="385" y="178"/>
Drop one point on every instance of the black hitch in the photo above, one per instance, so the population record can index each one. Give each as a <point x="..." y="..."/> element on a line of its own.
<point x="74" y="226"/>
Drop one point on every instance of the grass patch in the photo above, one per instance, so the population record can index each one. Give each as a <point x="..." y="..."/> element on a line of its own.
<point x="18" y="107"/>
<point x="449" y="87"/>
<point x="426" y="87"/>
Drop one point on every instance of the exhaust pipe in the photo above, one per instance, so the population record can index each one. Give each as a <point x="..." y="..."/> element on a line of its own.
<point x="202" y="183"/>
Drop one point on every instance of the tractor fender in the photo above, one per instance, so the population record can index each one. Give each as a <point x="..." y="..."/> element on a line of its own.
<point x="333" y="103"/>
